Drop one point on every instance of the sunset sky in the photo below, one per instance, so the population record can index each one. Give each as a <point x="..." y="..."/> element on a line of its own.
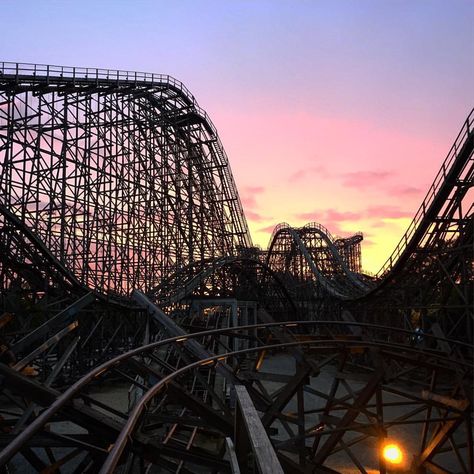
<point x="339" y="112"/>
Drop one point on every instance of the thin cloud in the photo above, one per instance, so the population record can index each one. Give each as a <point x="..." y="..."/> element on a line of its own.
<point x="378" y="224"/>
<point x="362" y="179"/>
<point x="268" y="229"/>
<point x="329" y="215"/>
<point x="355" y="179"/>
<point x="254" y="189"/>
<point x="332" y="218"/>
<point x="387" y="212"/>
<point x="337" y="231"/>
<point x="249" y="202"/>
<point x="405" y="191"/>
<point x="255" y="216"/>
<point x="249" y="196"/>
<point x="303" y="173"/>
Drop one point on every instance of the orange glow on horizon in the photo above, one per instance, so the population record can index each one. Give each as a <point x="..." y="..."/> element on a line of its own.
<point x="377" y="245"/>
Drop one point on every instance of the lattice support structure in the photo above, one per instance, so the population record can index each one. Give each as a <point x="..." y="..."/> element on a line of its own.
<point x="113" y="181"/>
<point x="121" y="175"/>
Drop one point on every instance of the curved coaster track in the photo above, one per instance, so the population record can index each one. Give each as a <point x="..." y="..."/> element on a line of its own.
<point x="140" y="330"/>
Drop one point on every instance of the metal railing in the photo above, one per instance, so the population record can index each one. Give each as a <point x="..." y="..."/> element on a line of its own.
<point x="51" y="74"/>
<point x="439" y="180"/>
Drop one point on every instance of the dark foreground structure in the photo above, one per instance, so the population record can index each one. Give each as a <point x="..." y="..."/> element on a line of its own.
<point x="126" y="265"/>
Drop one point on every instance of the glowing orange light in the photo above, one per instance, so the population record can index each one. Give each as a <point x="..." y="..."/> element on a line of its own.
<point x="392" y="453"/>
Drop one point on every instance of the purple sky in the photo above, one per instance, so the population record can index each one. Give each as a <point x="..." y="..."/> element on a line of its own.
<point x="334" y="111"/>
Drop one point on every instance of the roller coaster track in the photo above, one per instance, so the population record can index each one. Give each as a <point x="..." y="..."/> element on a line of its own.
<point x="451" y="184"/>
<point x="117" y="144"/>
<point x="45" y="260"/>
<point x="68" y="404"/>
<point x="348" y="284"/>
<point x="439" y="215"/>
<point x="40" y="259"/>
<point x="184" y="283"/>
<point x="342" y="283"/>
<point x="430" y="207"/>
<point x="113" y="181"/>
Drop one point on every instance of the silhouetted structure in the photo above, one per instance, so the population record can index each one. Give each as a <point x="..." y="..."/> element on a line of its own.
<point x="125" y="256"/>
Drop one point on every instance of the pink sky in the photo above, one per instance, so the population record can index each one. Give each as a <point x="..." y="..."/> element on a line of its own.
<point x="348" y="175"/>
<point x="333" y="111"/>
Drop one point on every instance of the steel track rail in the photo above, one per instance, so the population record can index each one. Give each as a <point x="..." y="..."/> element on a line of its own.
<point x="187" y="286"/>
<point x="122" y="440"/>
<point x="65" y="398"/>
<point x="321" y="278"/>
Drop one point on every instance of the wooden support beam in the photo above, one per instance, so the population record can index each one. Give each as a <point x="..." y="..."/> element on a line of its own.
<point x="234" y="464"/>
<point x="49" y="380"/>
<point x="446" y="429"/>
<point x="449" y="402"/>
<point x="362" y="399"/>
<point x="45" y="346"/>
<point x="60" y="320"/>
<point x="435" y="469"/>
<point x="286" y="394"/>
<point x="103" y="426"/>
<point x="292" y="467"/>
<point x="220" y="421"/>
<point x="250" y="436"/>
<point x="191" y="345"/>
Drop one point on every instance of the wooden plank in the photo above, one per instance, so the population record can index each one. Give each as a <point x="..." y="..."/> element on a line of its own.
<point x="190" y="344"/>
<point x="460" y="405"/>
<point x="61" y="319"/>
<point x="253" y="433"/>
<point x="50" y="379"/>
<point x="234" y="465"/>
<point x="45" y="346"/>
<point x="286" y="395"/>
<point x="434" y="468"/>
<point x="371" y="430"/>
<point x="362" y="399"/>
<point x="438" y="440"/>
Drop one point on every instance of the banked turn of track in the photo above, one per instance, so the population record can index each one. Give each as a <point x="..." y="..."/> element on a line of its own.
<point x="432" y="223"/>
<point x="438" y="210"/>
<point x="342" y="283"/>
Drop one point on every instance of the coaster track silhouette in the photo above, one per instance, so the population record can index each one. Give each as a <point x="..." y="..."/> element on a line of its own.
<point x="126" y="256"/>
